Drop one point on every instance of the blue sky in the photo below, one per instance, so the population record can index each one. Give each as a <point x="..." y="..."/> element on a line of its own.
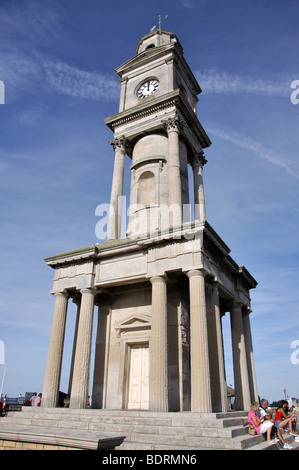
<point x="57" y="63"/>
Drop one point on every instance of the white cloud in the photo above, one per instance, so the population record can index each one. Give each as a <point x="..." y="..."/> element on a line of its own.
<point x="69" y="80"/>
<point x="30" y="21"/>
<point x="212" y="81"/>
<point x="21" y="72"/>
<point x="255" y="147"/>
<point x="18" y="72"/>
<point x="23" y="66"/>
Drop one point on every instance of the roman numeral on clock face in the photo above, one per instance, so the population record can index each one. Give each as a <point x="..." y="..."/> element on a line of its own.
<point x="147" y="88"/>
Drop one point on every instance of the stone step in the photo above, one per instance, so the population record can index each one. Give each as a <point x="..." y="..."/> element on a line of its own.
<point x="184" y="441"/>
<point x="146" y="430"/>
<point x="73" y="439"/>
<point x="164" y="434"/>
<point x="130" y="413"/>
<point x="126" y="417"/>
<point x="171" y="426"/>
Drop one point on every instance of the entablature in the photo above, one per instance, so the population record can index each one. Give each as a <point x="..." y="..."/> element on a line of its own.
<point x="127" y="261"/>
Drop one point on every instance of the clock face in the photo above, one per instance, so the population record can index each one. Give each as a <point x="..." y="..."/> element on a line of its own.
<point x="147" y="88"/>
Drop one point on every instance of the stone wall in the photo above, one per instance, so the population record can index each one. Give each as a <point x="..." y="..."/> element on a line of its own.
<point x="17" y="445"/>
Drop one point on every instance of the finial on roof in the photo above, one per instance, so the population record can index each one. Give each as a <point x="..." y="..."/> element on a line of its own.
<point x="159" y="23"/>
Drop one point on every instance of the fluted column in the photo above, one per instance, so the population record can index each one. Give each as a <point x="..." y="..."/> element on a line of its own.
<point x="199" y="198"/>
<point x="241" y="380"/>
<point x="80" y="384"/>
<point x="217" y="369"/>
<point x="158" y="380"/>
<point x="77" y="302"/>
<point x="54" y="362"/>
<point x="250" y="357"/>
<point x="114" y="226"/>
<point x="100" y="359"/>
<point x="220" y="348"/>
<point x="200" y="371"/>
<point x="173" y="127"/>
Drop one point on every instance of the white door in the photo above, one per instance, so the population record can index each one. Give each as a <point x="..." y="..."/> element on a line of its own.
<point x="138" y="397"/>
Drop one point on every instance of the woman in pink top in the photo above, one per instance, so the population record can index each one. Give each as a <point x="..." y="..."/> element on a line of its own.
<point x="261" y="426"/>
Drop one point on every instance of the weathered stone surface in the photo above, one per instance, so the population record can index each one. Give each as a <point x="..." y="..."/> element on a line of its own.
<point x="159" y="339"/>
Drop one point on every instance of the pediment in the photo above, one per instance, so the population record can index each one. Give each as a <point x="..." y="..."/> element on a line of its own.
<point x="144" y="57"/>
<point x="134" y="322"/>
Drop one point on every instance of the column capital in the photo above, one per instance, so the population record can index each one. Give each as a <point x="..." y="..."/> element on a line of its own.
<point x="174" y="124"/>
<point x="196" y="272"/>
<point x="121" y="143"/>
<point x="214" y="282"/>
<point x="62" y="293"/>
<point x="235" y="304"/>
<point x="199" y="160"/>
<point x="88" y="290"/>
<point x="161" y="278"/>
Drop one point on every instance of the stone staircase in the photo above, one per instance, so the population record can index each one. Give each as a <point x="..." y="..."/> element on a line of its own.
<point x="143" y="430"/>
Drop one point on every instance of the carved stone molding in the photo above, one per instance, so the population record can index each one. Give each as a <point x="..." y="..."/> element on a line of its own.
<point x="199" y="160"/>
<point x="174" y="124"/>
<point x="121" y="143"/>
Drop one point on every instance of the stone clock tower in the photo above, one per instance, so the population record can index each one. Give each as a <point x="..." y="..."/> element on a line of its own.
<point x="161" y="291"/>
<point x="157" y="127"/>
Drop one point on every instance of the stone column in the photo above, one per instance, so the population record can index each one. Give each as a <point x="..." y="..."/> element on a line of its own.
<point x="217" y="369"/>
<point x="250" y="356"/>
<point x="79" y="393"/>
<point x="173" y="127"/>
<point x="114" y="224"/>
<point x="77" y="302"/>
<point x="100" y="359"/>
<point x="54" y="362"/>
<point x="199" y="199"/>
<point x="200" y="371"/>
<point x="241" y="381"/>
<point x="158" y="380"/>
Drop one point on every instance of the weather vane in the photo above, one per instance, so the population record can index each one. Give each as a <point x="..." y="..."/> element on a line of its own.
<point x="159" y="24"/>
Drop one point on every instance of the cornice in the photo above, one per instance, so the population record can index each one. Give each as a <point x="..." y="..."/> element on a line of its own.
<point x="78" y="255"/>
<point x="142" y="110"/>
<point x="247" y="278"/>
<point x="173" y="99"/>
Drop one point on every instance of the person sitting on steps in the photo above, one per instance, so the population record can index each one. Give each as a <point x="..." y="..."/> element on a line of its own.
<point x="267" y="414"/>
<point x="282" y="419"/>
<point x="260" y="424"/>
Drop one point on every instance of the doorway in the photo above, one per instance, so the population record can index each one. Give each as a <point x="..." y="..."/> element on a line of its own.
<point x="138" y="386"/>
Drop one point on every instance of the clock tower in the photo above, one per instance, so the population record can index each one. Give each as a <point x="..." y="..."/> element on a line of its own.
<point x="161" y="292"/>
<point x="158" y="128"/>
